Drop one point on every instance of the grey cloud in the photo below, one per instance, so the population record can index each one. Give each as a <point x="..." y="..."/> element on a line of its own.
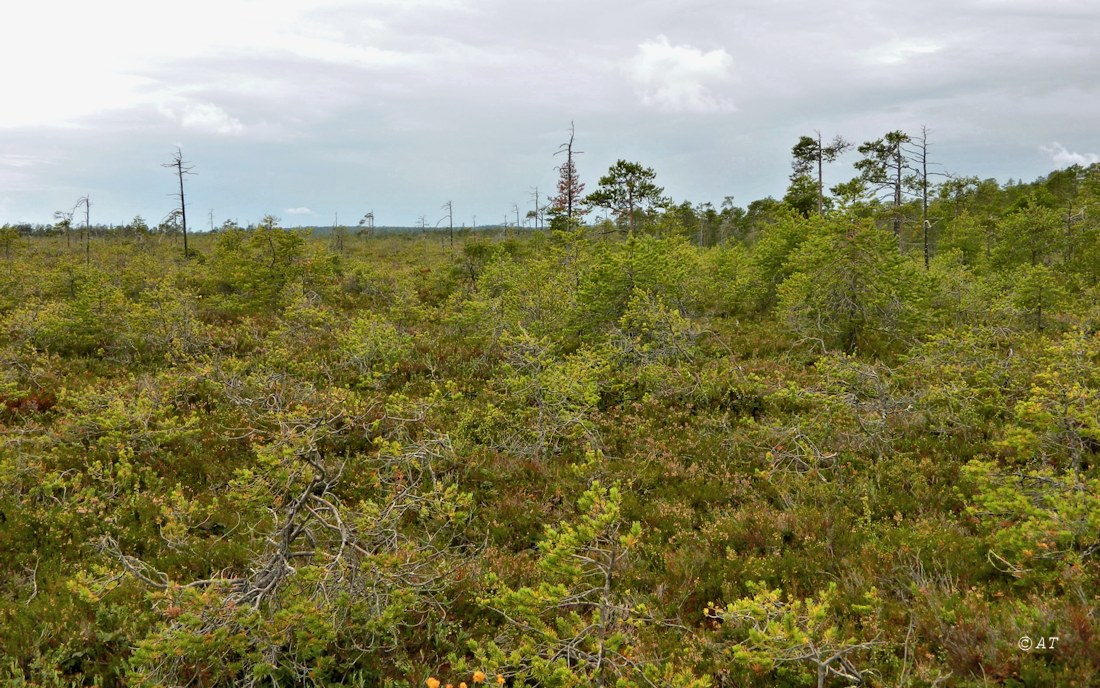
<point x="399" y="106"/>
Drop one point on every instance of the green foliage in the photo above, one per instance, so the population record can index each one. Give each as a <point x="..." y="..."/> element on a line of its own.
<point x="578" y="626"/>
<point x="546" y="400"/>
<point x="971" y="236"/>
<point x="287" y="462"/>
<point x="371" y="349"/>
<point x="539" y="297"/>
<point x="663" y="267"/>
<point x="801" y="195"/>
<point x="770" y="631"/>
<point x="808" y="157"/>
<point x="1037" y="293"/>
<point x="1032" y="235"/>
<point x="628" y="190"/>
<point x="92" y="319"/>
<point x="851" y="290"/>
<point x="333" y="582"/>
<point x="1057" y="421"/>
<point x="9" y="242"/>
<point x="958" y="296"/>
<point x="651" y="332"/>
<point x="251" y="269"/>
<point x="732" y="280"/>
<point x="770" y="255"/>
<point x="1041" y="526"/>
<point x="884" y="162"/>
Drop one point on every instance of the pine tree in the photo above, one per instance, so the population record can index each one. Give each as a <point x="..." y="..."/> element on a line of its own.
<point x="565" y="207"/>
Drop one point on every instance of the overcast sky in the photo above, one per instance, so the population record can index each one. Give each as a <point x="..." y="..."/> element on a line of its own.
<point x="305" y="109"/>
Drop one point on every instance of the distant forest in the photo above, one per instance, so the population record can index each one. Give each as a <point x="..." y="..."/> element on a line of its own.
<point x="846" y="437"/>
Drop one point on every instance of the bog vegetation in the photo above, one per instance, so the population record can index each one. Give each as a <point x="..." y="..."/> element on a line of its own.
<point x="793" y="445"/>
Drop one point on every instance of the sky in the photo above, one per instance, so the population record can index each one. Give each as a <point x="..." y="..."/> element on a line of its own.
<point x="320" y="111"/>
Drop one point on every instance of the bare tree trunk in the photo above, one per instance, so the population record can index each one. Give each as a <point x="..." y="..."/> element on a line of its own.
<point x="86" y="202"/>
<point x="449" y="207"/>
<point x="182" y="168"/>
<point x="820" y="177"/>
<point x="87" y="231"/>
<point x="922" y="184"/>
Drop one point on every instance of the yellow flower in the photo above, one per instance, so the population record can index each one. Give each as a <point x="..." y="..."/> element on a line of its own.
<point x="479" y="677"/>
<point x="500" y="679"/>
<point x="463" y="685"/>
<point x="432" y="682"/>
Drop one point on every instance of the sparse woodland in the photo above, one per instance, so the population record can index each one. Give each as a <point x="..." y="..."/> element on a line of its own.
<point x="686" y="446"/>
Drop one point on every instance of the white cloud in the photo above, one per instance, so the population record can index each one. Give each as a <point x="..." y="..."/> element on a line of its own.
<point x="681" y="78"/>
<point x="143" y="60"/>
<point x="340" y="53"/>
<point x="900" y="52"/>
<point x="57" y="93"/>
<point x="210" y="117"/>
<point x="1065" y="158"/>
<point x="204" y="117"/>
<point x="298" y="211"/>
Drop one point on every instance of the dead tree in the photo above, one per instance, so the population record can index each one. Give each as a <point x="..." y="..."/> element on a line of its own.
<point x="181" y="167"/>
<point x="570" y="188"/>
<point x="83" y="200"/>
<point x="366" y="225"/>
<point x="536" y="214"/>
<point x="917" y="151"/>
<point x="449" y="207"/>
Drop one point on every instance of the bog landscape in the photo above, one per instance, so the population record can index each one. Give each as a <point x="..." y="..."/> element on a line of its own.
<point x="850" y="436"/>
